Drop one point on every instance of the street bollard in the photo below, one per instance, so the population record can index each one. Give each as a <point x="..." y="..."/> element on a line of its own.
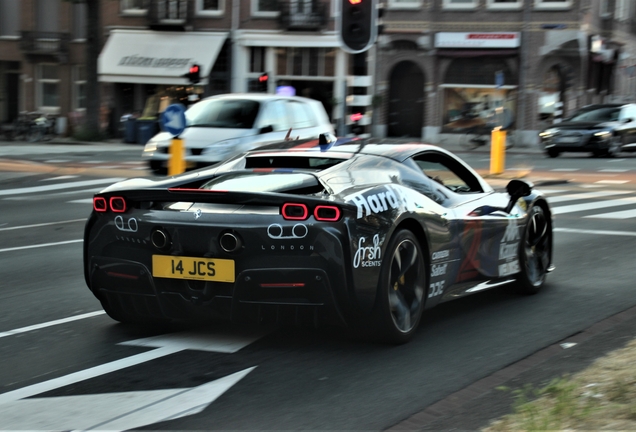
<point x="176" y="163"/>
<point x="497" y="151"/>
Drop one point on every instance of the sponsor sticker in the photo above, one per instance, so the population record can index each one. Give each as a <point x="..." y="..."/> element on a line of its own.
<point x="508" y="249"/>
<point x="368" y="256"/>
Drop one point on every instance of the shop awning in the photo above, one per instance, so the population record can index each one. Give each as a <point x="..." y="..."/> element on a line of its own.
<point x="153" y="57"/>
<point x="476" y="52"/>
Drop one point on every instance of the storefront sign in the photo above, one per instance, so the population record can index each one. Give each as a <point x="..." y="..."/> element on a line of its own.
<point x="465" y="108"/>
<point x="140" y="61"/>
<point x="477" y="40"/>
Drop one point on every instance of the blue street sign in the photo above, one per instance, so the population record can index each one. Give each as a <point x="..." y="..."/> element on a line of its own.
<point x="173" y="119"/>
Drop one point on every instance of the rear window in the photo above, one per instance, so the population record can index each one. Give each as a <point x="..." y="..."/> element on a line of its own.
<point x="223" y="113"/>
<point x="298" y="162"/>
<point x="265" y="182"/>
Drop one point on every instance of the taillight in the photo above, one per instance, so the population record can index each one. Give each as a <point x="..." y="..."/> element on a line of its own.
<point x="292" y="211"/>
<point x="327" y="213"/>
<point x="99" y="204"/>
<point x="117" y="204"/>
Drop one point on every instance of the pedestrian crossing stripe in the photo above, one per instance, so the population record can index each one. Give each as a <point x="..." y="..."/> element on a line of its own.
<point x="593" y="205"/>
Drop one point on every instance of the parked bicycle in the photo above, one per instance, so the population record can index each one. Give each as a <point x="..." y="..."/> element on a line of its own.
<point x="41" y="128"/>
<point x="481" y="135"/>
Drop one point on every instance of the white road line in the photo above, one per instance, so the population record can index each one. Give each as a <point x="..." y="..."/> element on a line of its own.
<point x="585" y="195"/>
<point x="612" y="181"/>
<point x="42" y="224"/>
<point x="40" y="245"/>
<point x="625" y="214"/>
<point x="552" y="191"/>
<point x="57" y="161"/>
<point x="593" y="205"/>
<point x="58" y="186"/>
<point x="617" y="170"/>
<point x="597" y="232"/>
<point x="82" y="201"/>
<point x="85" y="374"/>
<point x="50" y="323"/>
<point x="565" y="169"/>
<point x="60" y="178"/>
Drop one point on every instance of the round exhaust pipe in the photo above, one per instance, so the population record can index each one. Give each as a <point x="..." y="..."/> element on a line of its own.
<point x="230" y="242"/>
<point x="159" y="238"/>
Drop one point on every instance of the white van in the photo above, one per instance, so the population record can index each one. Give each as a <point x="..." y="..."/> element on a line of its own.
<point x="222" y="126"/>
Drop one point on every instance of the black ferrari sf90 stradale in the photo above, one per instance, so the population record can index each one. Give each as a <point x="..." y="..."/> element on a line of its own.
<point x="336" y="231"/>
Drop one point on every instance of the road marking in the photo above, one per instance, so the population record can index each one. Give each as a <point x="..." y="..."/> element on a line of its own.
<point x="57" y="161"/>
<point x="593" y="205"/>
<point x="114" y="411"/>
<point x="565" y="169"/>
<point x="617" y="170"/>
<point x="585" y="195"/>
<point x="598" y="232"/>
<point x="42" y="224"/>
<point x="169" y="344"/>
<point x="59" y="186"/>
<point x="82" y="201"/>
<point x="40" y="245"/>
<point x="50" y="323"/>
<point x="60" y="178"/>
<point x="612" y="181"/>
<point x="552" y="191"/>
<point x="625" y="214"/>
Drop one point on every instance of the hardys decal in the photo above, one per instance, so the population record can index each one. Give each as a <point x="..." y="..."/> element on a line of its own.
<point x="368" y="256"/>
<point x="375" y="203"/>
<point x="508" y="250"/>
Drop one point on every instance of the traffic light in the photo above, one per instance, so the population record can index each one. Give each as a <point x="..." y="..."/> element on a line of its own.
<point x="358" y="25"/>
<point x="356" y="127"/>
<point x="194" y="74"/>
<point x="263" y="79"/>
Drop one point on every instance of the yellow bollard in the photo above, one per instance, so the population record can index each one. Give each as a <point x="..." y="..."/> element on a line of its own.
<point x="497" y="151"/>
<point x="176" y="163"/>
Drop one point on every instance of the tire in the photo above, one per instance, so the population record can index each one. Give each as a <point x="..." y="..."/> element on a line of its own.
<point x="553" y="153"/>
<point x="401" y="290"/>
<point x="535" y="251"/>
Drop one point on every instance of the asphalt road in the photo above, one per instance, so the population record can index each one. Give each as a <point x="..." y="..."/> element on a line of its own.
<point x="67" y="366"/>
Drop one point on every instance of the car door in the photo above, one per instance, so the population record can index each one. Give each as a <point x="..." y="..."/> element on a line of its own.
<point x="628" y="124"/>
<point x="303" y="122"/>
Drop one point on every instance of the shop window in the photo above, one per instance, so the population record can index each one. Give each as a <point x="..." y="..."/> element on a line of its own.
<point x="265" y="8"/>
<point x="257" y="59"/>
<point x="209" y="7"/>
<point x="134" y="7"/>
<point x="460" y="4"/>
<point x="479" y="71"/>
<point x="10" y="18"/>
<point x="48" y="88"/>
<point x="505" y="4"/>
<point x="79" y="21"/>
<point x="79" y="88"/>
<point x="552" y="4"/>
<point x="219" y="81"/>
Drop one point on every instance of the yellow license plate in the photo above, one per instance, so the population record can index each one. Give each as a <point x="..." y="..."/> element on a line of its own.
<point x="206" y="269"/>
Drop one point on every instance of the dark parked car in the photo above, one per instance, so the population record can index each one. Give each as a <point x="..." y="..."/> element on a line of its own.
<point x="603" y="130"/>
<point x="348" y="232"/>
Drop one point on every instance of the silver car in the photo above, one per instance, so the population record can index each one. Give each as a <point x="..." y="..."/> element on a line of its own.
<point x="220" y="127"/>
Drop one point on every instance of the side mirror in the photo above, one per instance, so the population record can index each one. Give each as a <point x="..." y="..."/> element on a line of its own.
<point x="517" y="189"/>
<point x="266" y="129"/>
<point x="628" y="120"/>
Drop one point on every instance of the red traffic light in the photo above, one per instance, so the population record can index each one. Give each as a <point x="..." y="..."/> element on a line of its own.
<point x="263" y="78"/>
<point x="194" y="69"/>
<point x="356" y="117"/>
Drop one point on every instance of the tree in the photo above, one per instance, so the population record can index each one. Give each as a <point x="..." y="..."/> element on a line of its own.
<point x="91" y="128"/>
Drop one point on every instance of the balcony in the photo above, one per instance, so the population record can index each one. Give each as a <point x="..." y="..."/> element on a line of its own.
<point x="170" y="14"/>
<point x="46" y="44"/>
<point x="303" y="15"/>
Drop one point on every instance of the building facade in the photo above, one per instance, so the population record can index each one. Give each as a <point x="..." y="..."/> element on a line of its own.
<point x="446" y="65"/>
<point x="438" y="67"/>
